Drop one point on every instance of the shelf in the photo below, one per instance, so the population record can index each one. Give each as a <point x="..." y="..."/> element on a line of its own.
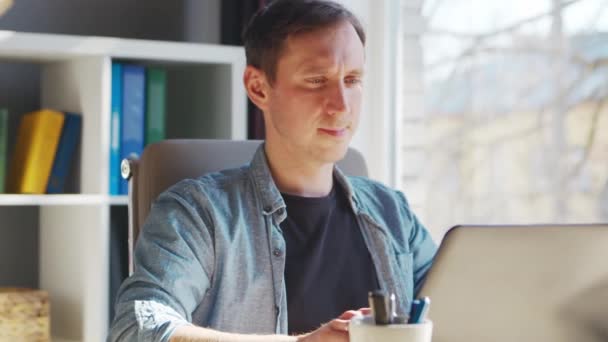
<point x="205" y="99"/>
<point x="52" y="47"/>
<point x="67" y="199"/>
<point x="118" y="200"/>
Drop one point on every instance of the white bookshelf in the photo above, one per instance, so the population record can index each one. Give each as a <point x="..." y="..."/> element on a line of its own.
<point x="67" y="199"/>
<point x="206" y="99"/>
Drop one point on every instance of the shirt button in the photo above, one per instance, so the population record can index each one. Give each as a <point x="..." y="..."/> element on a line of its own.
<point x="277" y="252"/>
<point x="267" y="209"/>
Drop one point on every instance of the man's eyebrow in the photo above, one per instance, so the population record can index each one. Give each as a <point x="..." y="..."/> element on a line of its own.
<point x="317" y="69"/>
<point x="356" y="72"/>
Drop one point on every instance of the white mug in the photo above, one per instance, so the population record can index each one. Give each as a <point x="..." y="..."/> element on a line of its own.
<point x="364" y="329"/>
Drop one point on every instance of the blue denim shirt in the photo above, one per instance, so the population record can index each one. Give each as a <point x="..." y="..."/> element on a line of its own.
<point x="211" y="253"/>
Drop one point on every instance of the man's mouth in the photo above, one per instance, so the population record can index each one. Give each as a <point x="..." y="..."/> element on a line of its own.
<point x="335" y="132"/>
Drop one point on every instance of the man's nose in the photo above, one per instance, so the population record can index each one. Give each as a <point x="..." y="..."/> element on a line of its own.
<point x="337" y="100"/>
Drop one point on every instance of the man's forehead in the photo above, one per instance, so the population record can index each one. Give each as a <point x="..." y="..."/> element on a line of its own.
<point x="321" y="64"/>
<point x="319" y="57"/>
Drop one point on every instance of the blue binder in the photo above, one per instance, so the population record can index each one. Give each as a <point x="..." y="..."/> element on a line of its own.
<point x="133" y="114"/>
<point x="66" y="150"/>
<point x="115" y="123"/>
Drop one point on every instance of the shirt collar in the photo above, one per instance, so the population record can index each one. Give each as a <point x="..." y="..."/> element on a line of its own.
<point x="272" y="201"/>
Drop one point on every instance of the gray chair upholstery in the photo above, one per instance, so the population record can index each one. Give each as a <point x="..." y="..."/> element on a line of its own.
<point x="166" y="163"/>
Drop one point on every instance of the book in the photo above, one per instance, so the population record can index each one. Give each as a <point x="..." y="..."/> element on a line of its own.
<point x="66" y="150"/>
<point x="3" y="147"/>
<point x="115" y="123"/>
<point x="133" y="112"/>
<point x="156" y="96"/>
<point x="37" y="140"/>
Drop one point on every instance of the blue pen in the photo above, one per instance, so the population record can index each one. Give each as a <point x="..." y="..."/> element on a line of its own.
<point x="420" y="308"/>
<point x="414" y="310"/>
<point x="426" y="303"/>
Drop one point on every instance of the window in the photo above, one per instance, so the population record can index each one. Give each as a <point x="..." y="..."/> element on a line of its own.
<point x="515" y="115"/>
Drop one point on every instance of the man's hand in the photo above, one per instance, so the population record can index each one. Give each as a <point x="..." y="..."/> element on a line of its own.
<point x="335" y="330"/>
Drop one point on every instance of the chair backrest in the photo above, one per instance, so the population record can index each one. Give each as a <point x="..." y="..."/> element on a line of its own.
<point x="166" y="163"/>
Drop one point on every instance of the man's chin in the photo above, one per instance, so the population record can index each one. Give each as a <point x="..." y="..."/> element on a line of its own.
<point x="333" y="154"/>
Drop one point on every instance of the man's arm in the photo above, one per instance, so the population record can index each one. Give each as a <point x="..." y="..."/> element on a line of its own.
<point x="422" y="246"/>
<point x="198" y="334"/>
<point x="173" y="261"/>
<point x="334" y="331"/>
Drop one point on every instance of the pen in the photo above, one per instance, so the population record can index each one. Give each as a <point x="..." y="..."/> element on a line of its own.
<point x="414" y="310"/>
<point x="393" y="307"/>
<point x="424" y="310"/>
<point x="396" y="318"/>
<point x="379" y="303"/>
<point x="419" y="310"/>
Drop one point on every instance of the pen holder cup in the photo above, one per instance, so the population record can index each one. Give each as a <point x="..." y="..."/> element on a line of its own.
<point x="363" y="329"/>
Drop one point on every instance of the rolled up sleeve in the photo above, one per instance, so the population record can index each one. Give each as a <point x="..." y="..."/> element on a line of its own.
<point x="173" y="264"/>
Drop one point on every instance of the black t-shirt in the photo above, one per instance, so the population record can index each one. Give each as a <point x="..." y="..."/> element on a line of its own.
<point x="328" y="268"/>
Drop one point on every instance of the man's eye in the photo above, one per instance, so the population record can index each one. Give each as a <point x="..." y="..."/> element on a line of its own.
<point x="353" y="80"/>
<point x="316" y="80"/>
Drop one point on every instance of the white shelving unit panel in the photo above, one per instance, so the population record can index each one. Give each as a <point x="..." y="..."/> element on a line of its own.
<point x="118" y="200"/>
<point x="80" y="85"/>
<point x="55" y="200"/>
<point x="52" y="47"/>
<point x="205" y="98"/>
<point x="74" y="259"/>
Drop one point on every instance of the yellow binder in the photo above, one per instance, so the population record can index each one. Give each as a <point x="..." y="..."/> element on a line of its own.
<point x="37" y="141"/>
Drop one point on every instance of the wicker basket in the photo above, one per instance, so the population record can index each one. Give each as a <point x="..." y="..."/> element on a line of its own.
<point x="24" y="315"/>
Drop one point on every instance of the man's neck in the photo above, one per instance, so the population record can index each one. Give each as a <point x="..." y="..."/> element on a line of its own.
<point x="294" y="177"/>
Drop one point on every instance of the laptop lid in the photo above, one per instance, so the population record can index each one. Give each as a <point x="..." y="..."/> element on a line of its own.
<point x="520" y="283"/>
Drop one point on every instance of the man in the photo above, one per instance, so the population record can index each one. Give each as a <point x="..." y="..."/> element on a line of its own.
<point x="272" y="250"/>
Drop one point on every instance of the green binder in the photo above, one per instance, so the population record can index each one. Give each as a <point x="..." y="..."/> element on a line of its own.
<point x="156" y="97"/>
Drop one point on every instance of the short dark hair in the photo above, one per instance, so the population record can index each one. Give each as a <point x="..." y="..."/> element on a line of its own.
<point x="270" y="27"/>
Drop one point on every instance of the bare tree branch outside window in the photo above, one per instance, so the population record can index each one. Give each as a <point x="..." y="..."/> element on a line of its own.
<point x="516" y="110"/>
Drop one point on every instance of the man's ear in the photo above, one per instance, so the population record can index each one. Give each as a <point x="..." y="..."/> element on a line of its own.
<point x="257" y="86"/>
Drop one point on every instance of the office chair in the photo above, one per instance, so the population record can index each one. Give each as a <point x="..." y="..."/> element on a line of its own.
<point x="166" y="163"/>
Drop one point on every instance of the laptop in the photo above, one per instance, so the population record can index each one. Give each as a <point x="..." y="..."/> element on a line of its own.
<point x="544" y="283"/>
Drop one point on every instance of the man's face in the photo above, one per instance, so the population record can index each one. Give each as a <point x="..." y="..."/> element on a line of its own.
<point x="313" y="106"/>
